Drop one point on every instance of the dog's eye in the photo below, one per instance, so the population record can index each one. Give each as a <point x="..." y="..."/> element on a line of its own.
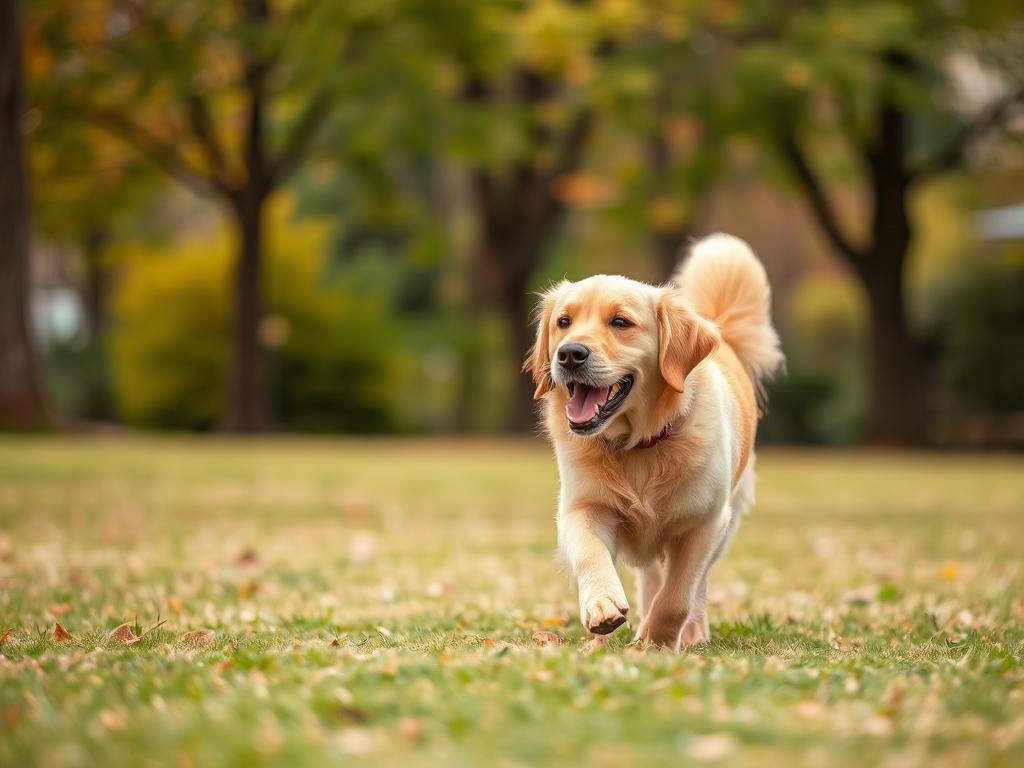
<point x="620" y="322"/>
<point x="564" y="322"/>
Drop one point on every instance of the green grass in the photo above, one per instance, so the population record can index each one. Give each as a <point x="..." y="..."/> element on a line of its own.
<point x="377" y="601"/>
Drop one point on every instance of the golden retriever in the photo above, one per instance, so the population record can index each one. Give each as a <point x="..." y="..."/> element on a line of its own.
<point x="651" y="397"/>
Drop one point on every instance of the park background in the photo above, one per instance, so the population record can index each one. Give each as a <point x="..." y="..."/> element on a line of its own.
<point x="269" y="488"/>
<point x="330" y="217"/>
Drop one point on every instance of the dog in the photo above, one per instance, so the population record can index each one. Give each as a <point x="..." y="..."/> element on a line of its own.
<point x="651" y="397"/>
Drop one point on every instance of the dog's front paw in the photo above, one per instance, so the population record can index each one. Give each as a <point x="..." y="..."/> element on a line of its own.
<point x="605" y="613"/>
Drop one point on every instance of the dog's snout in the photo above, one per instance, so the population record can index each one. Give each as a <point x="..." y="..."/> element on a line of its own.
<point x="573" y="355"/>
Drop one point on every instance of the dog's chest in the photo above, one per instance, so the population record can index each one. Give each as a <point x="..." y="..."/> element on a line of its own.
<point x="656" y="504"/>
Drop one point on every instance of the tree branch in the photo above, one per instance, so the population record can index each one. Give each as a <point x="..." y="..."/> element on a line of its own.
<point x="815" y="192"/>
<point x="162" y="153"/>
<point x="206" y="135"/>
<point x="955" y="154"/>
<point x="301" y="138"/>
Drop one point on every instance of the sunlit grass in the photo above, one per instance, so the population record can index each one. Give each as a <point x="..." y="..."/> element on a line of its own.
<point x="379" y="600"/>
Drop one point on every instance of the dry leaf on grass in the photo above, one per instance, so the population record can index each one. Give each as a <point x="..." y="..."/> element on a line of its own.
<point x="248" y="557"/>
<point x="543" y="638"/>
<point x="123" y="635"/>
<point x="199" y="637"/>
<point x="712" y="747"/>
<point x="61" y="635"/>
<point x="554" y="621"/>
<point x="860" y="595"/>
<point x="4" y="635"/>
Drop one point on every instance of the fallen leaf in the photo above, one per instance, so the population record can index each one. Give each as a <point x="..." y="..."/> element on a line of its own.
<point x="349" y="712"/>
<point x="5" y="634"/>
<point x="175" y="604"/>
<point x="61" y="635"/>
<point x="199" y="637"/>
<point x="247" y="588"/>
<point x="248" y="557"/>
<point x="554" y="621"/>
<point x="860" y="596"/>
<point x="224" y="666"/>
<point x="123" y="635"/>
<point x="949" y="570"/>
<point x="543" y="638"/>
<point x="410" y="730"/>
<point x="488" y="643"/>
<point x="335" y="643"/>
<point x="714" y="746"/>
<point x="112" y="721"/>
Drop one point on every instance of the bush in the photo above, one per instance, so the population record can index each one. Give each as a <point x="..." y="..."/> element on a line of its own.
<point x="820" y="398"/>
<point x="328" y="351"/>
<point x="982" y="339"/>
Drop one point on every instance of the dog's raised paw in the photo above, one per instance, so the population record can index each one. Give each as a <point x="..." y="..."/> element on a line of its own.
<point x="602" y="615"/>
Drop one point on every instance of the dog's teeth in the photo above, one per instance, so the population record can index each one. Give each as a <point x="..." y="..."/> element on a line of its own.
<point x="613" y="391"/>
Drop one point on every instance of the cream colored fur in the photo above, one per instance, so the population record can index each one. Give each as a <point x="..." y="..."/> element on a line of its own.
<point x="699" y="350"/>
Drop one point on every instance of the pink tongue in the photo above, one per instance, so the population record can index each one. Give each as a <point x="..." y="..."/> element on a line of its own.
<point x="584" y="403"/>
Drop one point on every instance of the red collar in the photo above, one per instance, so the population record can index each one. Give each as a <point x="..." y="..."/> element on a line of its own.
<point x="650" y="442"/>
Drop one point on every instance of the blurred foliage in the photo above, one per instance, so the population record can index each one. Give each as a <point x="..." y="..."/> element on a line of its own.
<point x="821" y="397"/>
<point x="460" y="147"/>
<point x="78" y="374"/>
<point x="982" y="336"/>
<point x="331" y="352"/>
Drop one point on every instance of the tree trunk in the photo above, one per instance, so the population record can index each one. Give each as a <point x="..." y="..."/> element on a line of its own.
<point x="248" y="402"/>
<point x="898" y="376"/>
<point x="247" y="406"/>
<point x="22" y="401"/>
<point x="897" y="373"/>
<point x="95" y="288"/>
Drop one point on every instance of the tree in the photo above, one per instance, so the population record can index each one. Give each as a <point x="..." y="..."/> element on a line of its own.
<point x="22" y="401"/>
<point x="228" y="99"/>
<point x="527" y="99"/>
<point x="94" y="191"/>
<point x="875" y="84"/>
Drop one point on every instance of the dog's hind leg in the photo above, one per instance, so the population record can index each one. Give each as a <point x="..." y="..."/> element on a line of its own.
<point x="687" y="562"/>
<point x="648" y="581"/>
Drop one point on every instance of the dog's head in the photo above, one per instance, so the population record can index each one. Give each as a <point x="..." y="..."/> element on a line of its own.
<point x="612" y="348"/>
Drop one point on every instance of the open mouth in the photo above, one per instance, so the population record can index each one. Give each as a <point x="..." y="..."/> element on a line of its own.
<point x="590" y="407"/>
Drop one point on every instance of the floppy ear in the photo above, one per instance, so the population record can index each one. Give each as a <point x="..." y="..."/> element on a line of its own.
<point x="684" y="339"/>
<point x="538" y="359"/>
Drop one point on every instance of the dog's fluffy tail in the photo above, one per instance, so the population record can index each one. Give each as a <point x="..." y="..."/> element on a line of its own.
<point x="726" y="283"/>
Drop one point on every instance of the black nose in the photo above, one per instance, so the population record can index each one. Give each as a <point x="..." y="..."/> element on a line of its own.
<point x="572" y="355"/>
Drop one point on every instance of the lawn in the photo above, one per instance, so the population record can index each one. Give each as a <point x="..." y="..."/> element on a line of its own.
<point x="305" y="602"/>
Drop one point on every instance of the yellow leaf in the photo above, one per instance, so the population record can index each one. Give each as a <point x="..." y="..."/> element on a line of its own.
<point x="582" y="190"/>
<point x="949" y="571"/>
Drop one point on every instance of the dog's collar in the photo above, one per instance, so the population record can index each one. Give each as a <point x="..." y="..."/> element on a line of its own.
<point x="650" y="442"/>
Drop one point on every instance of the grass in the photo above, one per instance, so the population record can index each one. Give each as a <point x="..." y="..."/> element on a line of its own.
<point x="378" y="601"/>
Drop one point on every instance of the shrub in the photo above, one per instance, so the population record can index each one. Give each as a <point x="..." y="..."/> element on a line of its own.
<point x="982" y="338"/>
<point x="328" y="351"/>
